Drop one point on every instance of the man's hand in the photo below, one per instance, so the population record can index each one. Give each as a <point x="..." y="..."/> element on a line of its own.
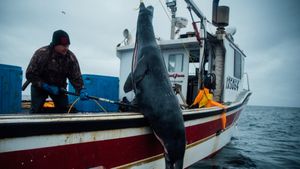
<point x="50" y="88"/>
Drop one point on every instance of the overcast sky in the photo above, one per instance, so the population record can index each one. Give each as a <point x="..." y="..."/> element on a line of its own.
<point x="267" y="32"/>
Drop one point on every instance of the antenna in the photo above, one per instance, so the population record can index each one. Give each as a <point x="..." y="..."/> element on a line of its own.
<point x="181" y="22"/>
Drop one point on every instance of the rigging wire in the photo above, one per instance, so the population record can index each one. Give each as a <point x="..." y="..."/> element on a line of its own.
<point x="166" y="13"/>
<point x="182" y="43"/>
<point x="165" y="10"/>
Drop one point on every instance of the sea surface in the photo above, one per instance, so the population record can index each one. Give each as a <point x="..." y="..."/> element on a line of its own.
<point x="265" y="138"/>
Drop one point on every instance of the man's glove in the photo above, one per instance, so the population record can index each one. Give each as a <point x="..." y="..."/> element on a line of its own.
<point x="83" y="94"/>
<point x="50" y="88"/>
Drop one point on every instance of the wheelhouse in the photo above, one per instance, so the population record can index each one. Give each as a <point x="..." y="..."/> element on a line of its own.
<point x="222" y="62"/>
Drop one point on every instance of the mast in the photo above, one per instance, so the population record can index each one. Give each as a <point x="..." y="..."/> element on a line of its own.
<point x="172" y="5"/>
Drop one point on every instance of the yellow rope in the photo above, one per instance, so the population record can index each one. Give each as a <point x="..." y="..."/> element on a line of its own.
<point x="100" y="106"/>
<point x="73" y="105"/>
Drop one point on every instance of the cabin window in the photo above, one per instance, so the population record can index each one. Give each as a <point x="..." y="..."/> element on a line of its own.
<point x="175" y="63"/>
<point x="237" y="64"/>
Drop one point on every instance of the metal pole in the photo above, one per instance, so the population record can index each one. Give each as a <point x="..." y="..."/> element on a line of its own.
<point x="172" y="5"/>
<point x="191" y="5"/>
<point x="194" y="7"/>
<point x="173" y="25"/>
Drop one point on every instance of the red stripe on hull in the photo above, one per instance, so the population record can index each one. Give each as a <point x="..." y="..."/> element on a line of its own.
<point x="198" y="132"/>
<point x="107" y="153"/>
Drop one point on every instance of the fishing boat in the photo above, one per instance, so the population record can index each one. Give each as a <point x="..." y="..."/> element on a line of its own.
<point x="124" y="139"/>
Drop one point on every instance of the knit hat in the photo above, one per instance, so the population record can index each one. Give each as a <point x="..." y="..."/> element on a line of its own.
<point x="60" y="37"/>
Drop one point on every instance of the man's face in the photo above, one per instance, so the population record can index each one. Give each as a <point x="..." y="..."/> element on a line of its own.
<point x="61" y="49"/>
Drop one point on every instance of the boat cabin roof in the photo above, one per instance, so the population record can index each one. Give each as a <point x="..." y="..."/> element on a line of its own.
<point x="189" y="42"/>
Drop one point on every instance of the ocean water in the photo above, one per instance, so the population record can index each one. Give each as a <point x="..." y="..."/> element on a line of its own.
<point x="265" y="138"/>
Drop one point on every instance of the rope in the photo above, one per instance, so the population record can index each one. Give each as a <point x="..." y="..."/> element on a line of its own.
<point x="73" y="105"/>
<point x="100" y="106"/>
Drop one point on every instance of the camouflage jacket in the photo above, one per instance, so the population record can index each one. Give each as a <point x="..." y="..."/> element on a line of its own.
<point x="50" y="67"/>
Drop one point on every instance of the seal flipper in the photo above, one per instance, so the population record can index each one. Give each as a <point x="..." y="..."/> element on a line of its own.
<point x="137" y="75"/>
<point x="128" y="84"/>
<point x="139" y="71"/>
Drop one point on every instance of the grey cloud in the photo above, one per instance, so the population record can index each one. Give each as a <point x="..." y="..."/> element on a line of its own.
<point x="267" y="31"/>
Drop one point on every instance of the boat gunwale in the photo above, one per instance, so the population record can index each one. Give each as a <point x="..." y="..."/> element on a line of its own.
<point x="31" y="125"/>
<point x="25" y="118"/>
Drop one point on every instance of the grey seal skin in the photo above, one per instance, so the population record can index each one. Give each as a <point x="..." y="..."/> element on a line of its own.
<point x="153" y="91"/>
